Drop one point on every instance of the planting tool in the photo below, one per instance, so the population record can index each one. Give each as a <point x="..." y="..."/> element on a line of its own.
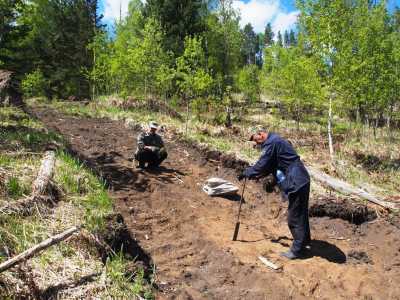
<point x="236" y="232"/>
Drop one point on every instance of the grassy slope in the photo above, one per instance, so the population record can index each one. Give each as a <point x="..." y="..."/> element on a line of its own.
<point x="22" y="141"/>
<point x="371" y="163"/>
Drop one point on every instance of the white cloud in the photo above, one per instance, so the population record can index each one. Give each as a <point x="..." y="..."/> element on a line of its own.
<point x="261" y="12"/>
<point x="284" y="21"/>
<point x="113" y="9"/>
<point x="257" y="12"/>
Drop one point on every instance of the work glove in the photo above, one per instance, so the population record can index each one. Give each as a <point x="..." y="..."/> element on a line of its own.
<point x="241" y="176"/>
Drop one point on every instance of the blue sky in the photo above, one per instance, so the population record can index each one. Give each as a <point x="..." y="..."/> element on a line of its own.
<point x="281" y="14"/>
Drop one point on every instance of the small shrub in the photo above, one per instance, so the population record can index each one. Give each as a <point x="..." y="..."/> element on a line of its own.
<point x="34" y="84"/>
<point x="175" y="102"/>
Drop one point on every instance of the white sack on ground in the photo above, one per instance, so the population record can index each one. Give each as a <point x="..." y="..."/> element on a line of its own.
<point x="218" y="186"/>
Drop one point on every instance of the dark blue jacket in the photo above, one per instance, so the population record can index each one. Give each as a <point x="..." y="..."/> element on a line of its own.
<point x="277" y="153"/>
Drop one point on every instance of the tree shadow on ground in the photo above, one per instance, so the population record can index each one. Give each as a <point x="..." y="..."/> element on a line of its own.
<point x="52" y="292"/>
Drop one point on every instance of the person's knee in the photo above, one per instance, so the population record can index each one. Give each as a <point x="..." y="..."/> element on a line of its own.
<point x="163" y="154"/>
<point x="138" y="155"/>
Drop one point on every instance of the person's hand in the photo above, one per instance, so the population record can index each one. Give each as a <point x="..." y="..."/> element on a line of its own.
<point x="147" y="148"/>
<point x="240" y="177"/>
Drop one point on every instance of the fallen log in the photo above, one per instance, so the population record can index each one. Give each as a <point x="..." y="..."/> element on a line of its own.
<point x="39" y="187"/>
<point x="37" y="248"/>
<point x="45" y="174"/>
<point x="347" y="189"/>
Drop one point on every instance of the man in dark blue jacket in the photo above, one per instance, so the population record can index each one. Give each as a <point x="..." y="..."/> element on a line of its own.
<point x="278" y="154"/>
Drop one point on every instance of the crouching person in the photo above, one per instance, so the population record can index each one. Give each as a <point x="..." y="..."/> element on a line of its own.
<point x="150" y="148"/>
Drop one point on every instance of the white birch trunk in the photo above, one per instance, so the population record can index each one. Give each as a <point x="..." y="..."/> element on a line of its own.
<point x="45" y="174"/>
<point x="330" y="141"/>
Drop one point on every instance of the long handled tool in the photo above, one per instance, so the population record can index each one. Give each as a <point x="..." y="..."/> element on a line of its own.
<point x="235" y="234"/>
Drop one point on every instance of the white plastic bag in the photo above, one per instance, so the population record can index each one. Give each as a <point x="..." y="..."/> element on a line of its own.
<point x="217" y="187"/>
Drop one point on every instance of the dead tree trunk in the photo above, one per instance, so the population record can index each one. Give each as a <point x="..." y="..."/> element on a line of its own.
<point x="10" y="93"/>
<point x="37" y="248"/>
<point x="39" y="188"/>
<point x="348" y="189"/>
<point x="45" y="174"/>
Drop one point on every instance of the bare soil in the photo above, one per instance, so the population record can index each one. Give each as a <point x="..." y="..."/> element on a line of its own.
<point x="188" y="235"/>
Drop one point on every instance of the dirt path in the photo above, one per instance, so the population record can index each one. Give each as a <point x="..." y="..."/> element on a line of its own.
<point x="188" y="235"/>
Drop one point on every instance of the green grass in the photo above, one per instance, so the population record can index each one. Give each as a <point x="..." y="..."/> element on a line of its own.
<point x="20" y="132"/>
<point x="126" y="287"/>
<point x="5" y="160"/>
<point x="15" y="189"/>
<point x="80" y="183"/>
<point x="86" y="202"/>
<point x="19" y="234"/>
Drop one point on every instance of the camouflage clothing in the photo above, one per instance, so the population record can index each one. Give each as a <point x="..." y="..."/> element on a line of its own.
<point x="149" y="139"/>
<point x="153" y="156"/>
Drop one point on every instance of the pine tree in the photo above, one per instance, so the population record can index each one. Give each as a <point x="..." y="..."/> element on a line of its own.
<point x="280" y="42"/>
<point x="59" y="33"/>
<point x="292" y="38"/>
<point x="15" y="54"/>
<point x="268" y="35"/>
<point x="178" y="18"/>
<point x="286" y="40"/>
<point x="250" y="44"/>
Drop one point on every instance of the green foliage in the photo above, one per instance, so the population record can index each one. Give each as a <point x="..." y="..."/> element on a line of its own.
<point x="193" y="79"/>
<point x="100" y="75"/>
<point x="139" y="61"/>
<point x="55" y="39"/>
<point x="280" y="39"/>
<point x="76" y="180"/>
<point x="125" y="285"/>
<point x="18" y="234"/>
<point x="250" y="44"/>
<point x="15" y="189"/>
<point x="248" y="83"/>
<point x="34" y="84"/>
<point x="178" y="19"/>
<point x="224" y="42"/>
<point x="268" y="35"/>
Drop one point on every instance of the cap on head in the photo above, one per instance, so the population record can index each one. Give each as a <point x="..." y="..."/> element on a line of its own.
<point x="259" y="136"/>
<point x="153" y="125"/>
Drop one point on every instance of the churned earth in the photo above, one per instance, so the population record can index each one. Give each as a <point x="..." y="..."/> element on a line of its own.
<point x="355" y="251"/>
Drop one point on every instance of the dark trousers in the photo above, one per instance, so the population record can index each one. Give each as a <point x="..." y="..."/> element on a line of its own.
<point x="153" y="158"/>
<point x="298" y="219"/>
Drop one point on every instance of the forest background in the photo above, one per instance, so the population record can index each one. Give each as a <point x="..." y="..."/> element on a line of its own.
<point x="341" y="61"/>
